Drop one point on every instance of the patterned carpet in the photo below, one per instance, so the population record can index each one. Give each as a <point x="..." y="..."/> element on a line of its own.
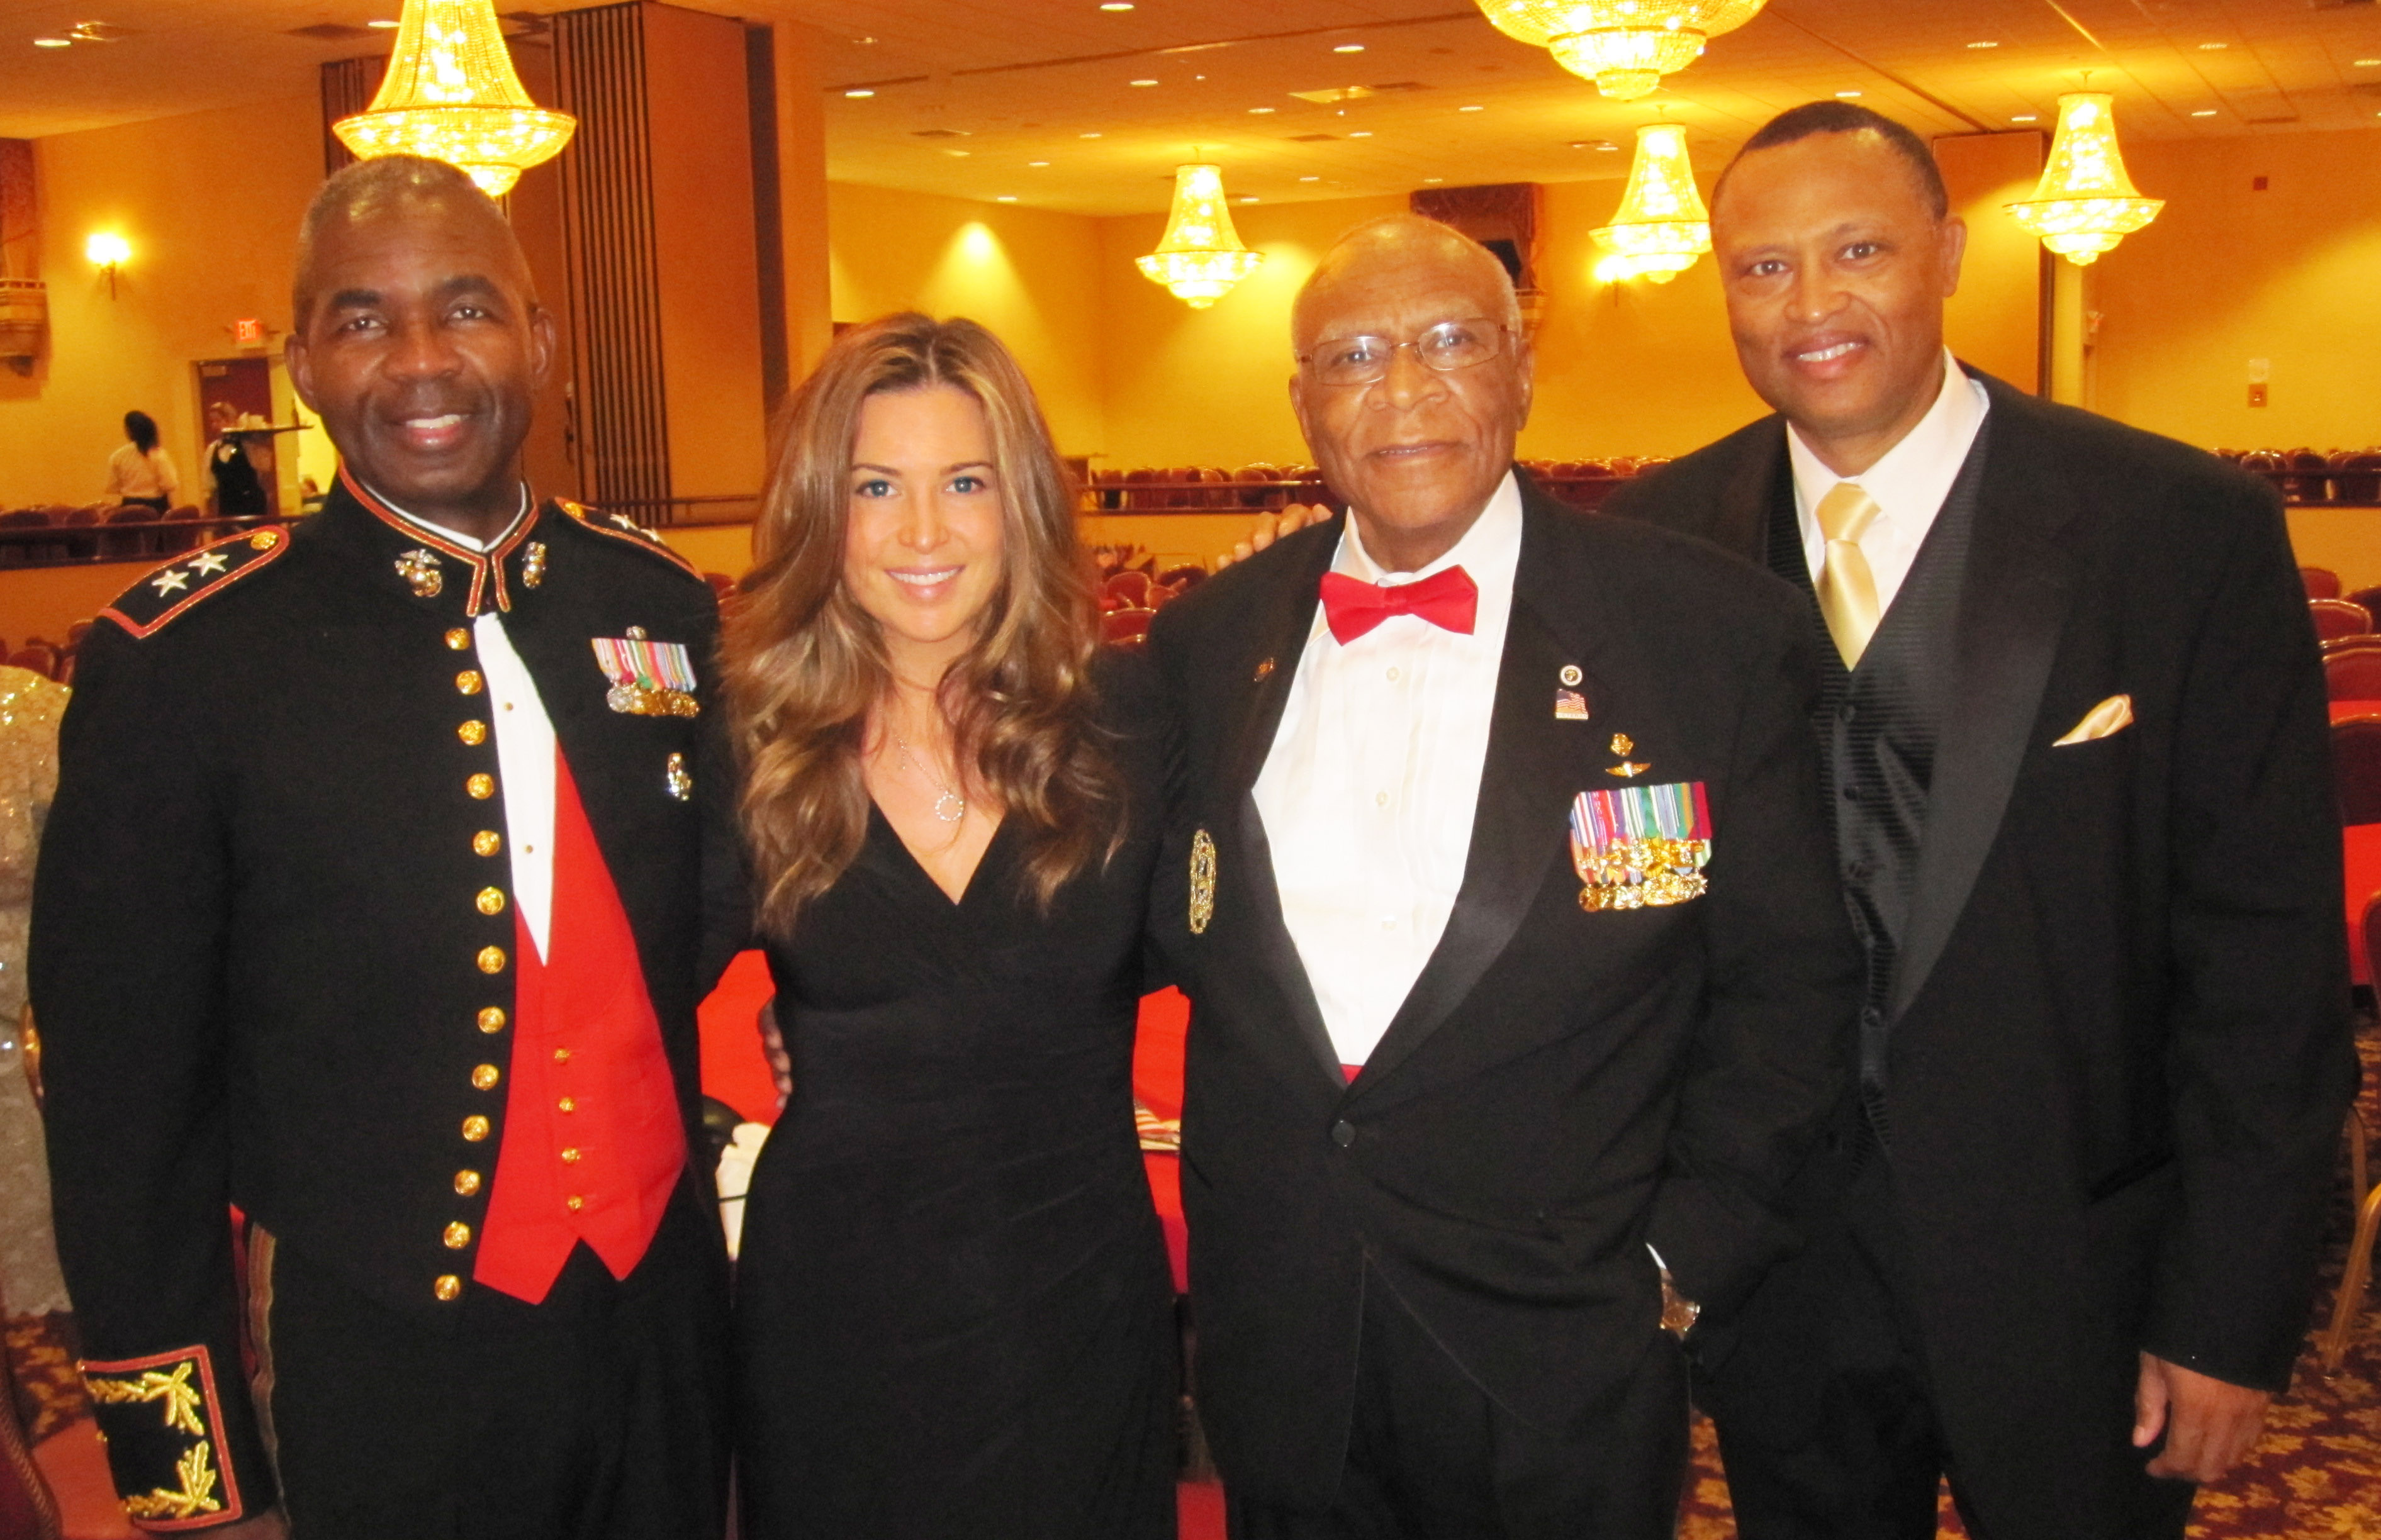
<point x="2316" y="1474"/>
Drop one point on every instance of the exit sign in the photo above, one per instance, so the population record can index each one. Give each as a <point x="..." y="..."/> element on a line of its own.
<point x="247" y="331"/>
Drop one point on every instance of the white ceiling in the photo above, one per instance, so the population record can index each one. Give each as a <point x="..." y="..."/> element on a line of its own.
<point x="1010" y="82"/>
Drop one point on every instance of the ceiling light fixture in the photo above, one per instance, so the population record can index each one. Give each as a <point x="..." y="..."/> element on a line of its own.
<point x="1983" y="45"/>
<point x="1661" y="226"/>
<point x="1006" y="198"/>
<point x="2085" y="204"/>
<point x="2205" y="111"/>
<point x="1625" y="46"/>
<point x="2367" y="63"/>
<point x="1088" y="136"/>
<point x="1434" y="181"/>
<point x="1348" y="48"/>
<point x="451" y="94"/>
<point x="856" y="95"/>
<point x="53" y="43"/>
<point x="1475" y="107"/>
<point x="2025" y="118"/>
<point x="382" y="24"/>
<point x="1360" y="133"/>
<point x="1310" y="178"/>
<point x="1260" y="111"/>
<point x="1037" y="163"/>
<point x="1117" y="5"/>
<point x="1200" y="258"/>
<point x="1141" y="82"/>
<point x="2214" y="47"/>
<point x="1848" y="96"/>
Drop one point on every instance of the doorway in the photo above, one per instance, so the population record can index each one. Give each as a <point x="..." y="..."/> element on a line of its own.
<point x="246" y="386"/>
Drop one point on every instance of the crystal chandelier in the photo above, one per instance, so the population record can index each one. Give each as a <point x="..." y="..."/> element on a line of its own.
<point x="1625" y="46"/>
<point x="1200" y="257"/>
<point x="450" y="93"/>
<point x="1661" y="226"/>
<point x="2085" y="204"/>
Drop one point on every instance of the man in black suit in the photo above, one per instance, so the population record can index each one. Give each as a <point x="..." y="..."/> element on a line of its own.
<point x="2074" y="735"/>
<point x="371" y="905"/>
<point x="1485" y="1059"/>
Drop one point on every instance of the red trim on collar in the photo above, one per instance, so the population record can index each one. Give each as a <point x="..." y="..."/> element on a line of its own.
<point x="485" y="565"/>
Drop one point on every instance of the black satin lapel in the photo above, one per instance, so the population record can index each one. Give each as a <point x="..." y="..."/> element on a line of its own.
<point x="1244" y="860"/>
<point x="1517" y="828"/>
<point x="1742" y="523"/>
<point x="2020" y="578"/>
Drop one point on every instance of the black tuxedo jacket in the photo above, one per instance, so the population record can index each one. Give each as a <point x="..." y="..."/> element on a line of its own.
<point x="1560" y="1087"/>
<point x="2119" y="1036"/>
<point x="265" y="956"/>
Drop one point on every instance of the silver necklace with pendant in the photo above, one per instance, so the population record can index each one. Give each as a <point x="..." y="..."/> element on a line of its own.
<point x="949" y="798"/>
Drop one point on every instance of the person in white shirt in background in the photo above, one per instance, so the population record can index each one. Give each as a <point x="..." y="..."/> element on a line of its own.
<point x="140" y="471"/>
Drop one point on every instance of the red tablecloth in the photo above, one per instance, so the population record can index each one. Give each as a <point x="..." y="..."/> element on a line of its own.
<point x="2355" y="709"/>
<point x="735" y="1070"/>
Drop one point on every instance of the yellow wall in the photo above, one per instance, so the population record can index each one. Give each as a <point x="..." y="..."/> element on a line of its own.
<point x="2228" y="274"/>
<point x="210" y="203"/>
<point x="1028" y="275"/>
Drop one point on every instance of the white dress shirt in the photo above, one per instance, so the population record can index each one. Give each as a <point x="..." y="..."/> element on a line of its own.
<point x="1908" y="483"/>
<point x="525" y="749"/>
<point x="1369" y="790"/>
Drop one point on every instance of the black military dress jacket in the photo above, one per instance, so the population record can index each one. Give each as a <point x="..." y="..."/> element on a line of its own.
<point x="273" y="960"/>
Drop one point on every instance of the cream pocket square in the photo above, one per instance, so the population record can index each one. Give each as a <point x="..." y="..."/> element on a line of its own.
<point x="2107" y="720"/>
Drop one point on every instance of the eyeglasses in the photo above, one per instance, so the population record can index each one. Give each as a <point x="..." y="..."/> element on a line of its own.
<point x="1362" y="360"/>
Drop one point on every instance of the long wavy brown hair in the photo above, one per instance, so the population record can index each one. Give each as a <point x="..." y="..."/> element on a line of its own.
<point x="805" y="664"/>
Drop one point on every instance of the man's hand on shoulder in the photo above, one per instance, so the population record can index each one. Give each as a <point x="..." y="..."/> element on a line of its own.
<point x="1271" y="527"/>
<point x="2209" y="1423"/>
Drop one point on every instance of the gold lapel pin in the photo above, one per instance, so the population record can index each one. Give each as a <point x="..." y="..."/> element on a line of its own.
<point x="1570" y="675"/>
<point x="1569" y="706"/>
<point x="1628" y="770"/>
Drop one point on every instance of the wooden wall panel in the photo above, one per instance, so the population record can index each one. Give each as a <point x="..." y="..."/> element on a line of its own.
<point x="622" y="425"/>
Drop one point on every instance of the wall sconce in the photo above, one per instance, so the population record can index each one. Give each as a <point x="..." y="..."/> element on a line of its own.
<point x="107" y="252"/>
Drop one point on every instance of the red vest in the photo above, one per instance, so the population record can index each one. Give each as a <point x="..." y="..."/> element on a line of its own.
<point x="593" y="1145"/>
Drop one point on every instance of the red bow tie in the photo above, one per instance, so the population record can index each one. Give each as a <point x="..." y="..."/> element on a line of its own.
<point x="1449" y="599"/>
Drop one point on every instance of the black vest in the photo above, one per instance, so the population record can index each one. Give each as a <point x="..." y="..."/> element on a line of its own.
<point x="1877" y="726"/>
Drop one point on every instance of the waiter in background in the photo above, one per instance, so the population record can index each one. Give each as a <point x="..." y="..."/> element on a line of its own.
<point x="370" y="906"/>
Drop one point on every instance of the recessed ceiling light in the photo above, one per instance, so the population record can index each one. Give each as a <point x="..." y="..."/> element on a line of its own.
<point x="1247" y="197"/>
<point x="1475" y="107"/>
<point x="1087" y="136"/>
<point x="1983" y="45"/>
<point x="856" y="95"/>
<point x="864" y="41"/>
<point x="1037" y="163"/>
<point x="1141" y="82"/>
<point x="1117" y="5"/>
<point x="2025" y="118"/>
<point x="1604" y="145"/>
<point x="2212" y="47"/>
<point x="962" y="154"/>
<point x="1361" y="133"/>
<point x="1260" y="111"/>
<point x="1434" y="179"/>
<point x="1348" y="48"/>
<point x="2205" y="111"/>
<point x="1847" y="96"/>
<point x="53" y="42"/>
<point x="380" y="22"/>
<point x="1006" y="198"/>
<point x="2367" y="63"/>
<point x="1310" y="178"/>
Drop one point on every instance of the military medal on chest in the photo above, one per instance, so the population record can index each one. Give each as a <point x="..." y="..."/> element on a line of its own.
<point x="649" y="678"/>
<point x="1635" y="847"/>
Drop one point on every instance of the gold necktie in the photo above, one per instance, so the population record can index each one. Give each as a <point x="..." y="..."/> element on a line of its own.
<point x="1846" y="590"/>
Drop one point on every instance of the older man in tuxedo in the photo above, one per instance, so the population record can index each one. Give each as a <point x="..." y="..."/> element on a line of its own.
<point x="1520" y="985"/>
<point x="2074" y="741"/>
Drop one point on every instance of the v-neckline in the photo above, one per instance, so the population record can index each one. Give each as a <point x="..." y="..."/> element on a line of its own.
<point x="910" y="857"/>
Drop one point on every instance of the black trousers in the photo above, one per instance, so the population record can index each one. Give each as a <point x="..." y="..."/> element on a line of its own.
<point x="1432" y="1457"/>
<point x="598" y="1414"/>
<point x="1827" y="1422"/>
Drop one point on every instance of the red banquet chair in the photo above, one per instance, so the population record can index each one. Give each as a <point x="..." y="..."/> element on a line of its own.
<point x="2336" y="617"/>
<point x="2352" y="673"/>
<point x="1126" y="627"/>
<point x="1132" y="587"/>
<point x="2321" y="582"/>
<point x="2356" y="766"/>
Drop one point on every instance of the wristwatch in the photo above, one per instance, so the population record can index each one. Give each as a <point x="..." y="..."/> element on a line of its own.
<point x="1679" y="1313"/>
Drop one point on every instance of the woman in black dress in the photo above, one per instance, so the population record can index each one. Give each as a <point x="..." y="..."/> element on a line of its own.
<point x="954" y="1315"/>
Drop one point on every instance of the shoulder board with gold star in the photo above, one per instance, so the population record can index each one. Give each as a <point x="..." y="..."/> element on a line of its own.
<point x="146" y="607"/>
<point x="627" y="531"/>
